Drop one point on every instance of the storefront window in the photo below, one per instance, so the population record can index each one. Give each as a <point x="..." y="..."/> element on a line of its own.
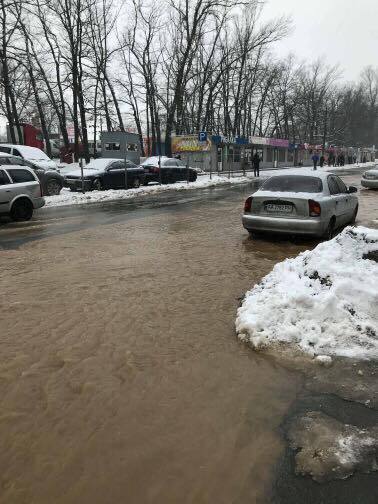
<point x="269" y="155"/>
<point x="281" y="155"/>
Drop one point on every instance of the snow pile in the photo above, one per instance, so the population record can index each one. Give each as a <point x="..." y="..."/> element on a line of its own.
<point x="66" y="197"/>
<point x="323" y="302"/>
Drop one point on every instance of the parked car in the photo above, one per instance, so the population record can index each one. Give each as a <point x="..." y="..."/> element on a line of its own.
<point x="20" y="192"/>
<point x="301" y="202"/>
<point x="370" y="178"/>
<point x="51" y="180"/>
<point x="105" y="173"/>
<point x="172" y="170"/>
<point x="32" y="154"/>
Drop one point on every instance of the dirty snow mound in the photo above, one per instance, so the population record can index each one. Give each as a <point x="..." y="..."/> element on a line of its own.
<point x="327" y="449"/>
<point x="323" y="302"/>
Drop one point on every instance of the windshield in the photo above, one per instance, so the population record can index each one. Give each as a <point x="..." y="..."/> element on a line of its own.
<point x="33" y="153"/>
<point x="293" y="183"/>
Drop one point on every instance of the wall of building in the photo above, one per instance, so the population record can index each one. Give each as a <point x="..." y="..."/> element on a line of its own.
<point x="120" y="144"/>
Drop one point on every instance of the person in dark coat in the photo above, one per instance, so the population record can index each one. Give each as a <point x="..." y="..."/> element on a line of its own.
<point x="256" y="164"/>
<point x="322" y="159"/>
<point x="315" y="160"/>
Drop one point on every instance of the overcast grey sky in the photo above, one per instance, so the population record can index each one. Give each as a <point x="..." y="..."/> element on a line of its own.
<point x="341" y="31"/>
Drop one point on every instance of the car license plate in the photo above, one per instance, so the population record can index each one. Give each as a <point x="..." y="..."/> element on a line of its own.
<point x="278" y="208"/>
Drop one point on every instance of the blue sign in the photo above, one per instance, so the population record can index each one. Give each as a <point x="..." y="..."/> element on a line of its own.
<point x="216" y="139"/>
<point x="241" y="141"/>
<point x="202" y="136"/>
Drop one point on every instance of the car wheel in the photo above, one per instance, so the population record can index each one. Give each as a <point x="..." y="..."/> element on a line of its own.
<point x="354" y="215"/>
<point x="22" y="210"/>
<point x="97" y="185"/>
<point x="192" y="177"/>
<point x="330" y="231"/>
<point x="53" y="187"/>
<point x="136" y="183"/>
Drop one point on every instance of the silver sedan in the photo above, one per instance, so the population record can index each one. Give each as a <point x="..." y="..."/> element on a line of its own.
<point x="301" y="202"/>
<point x="370" y="179"/>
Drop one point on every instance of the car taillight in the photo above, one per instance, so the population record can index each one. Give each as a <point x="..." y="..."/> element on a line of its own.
<point x="248" y="204"/>
<point x="314" y="208"/>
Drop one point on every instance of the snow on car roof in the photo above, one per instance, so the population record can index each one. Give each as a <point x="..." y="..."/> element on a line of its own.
<point x="305" y="172"/>
<point x="154" y="160"/>
<point x="100" y="163"/>
<point x="29" y="152"/>
<point x="373" y="170"/>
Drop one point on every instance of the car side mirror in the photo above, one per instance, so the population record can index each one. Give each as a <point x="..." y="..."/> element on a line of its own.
<point x="352" y="189"/>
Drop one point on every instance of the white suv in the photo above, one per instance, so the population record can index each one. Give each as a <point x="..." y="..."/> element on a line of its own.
<point x="20" y="192"/>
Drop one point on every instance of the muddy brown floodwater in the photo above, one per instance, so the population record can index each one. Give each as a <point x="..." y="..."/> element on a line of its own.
<point x="121" y="379"/>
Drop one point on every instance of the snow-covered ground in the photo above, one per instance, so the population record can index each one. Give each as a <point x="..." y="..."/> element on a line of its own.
<point x="66" y="197"/>
<point x="323" y="302"/>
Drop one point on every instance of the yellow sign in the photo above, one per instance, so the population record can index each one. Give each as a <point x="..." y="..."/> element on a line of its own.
<point x="189" y="143"/>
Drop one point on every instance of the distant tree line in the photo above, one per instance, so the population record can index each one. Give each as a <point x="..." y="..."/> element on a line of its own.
<point x="167" y="67"/>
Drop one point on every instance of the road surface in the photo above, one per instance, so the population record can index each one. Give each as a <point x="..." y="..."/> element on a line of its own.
<point x="121" y="379"/>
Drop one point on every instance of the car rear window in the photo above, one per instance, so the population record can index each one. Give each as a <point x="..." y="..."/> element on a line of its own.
<point x="21" y="176"/>
<point x="293" y="183"/>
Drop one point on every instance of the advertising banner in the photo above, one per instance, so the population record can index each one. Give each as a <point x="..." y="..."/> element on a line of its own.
<point x="190" y="143"/>
<point x="259" y="140"/>
<point x="278" y="142"/>
<point x="272" y="142"/>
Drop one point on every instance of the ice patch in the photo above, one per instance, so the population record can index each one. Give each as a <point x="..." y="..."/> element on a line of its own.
<point x="327" y="449"/>
<point x="323" y="302"/>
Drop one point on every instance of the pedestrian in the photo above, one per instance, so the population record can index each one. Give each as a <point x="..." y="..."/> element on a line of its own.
<point x="245" y="164"/>
<point x="315" y="160"/>
<point x="256" y="164"/>
<point x="322" y="159"/>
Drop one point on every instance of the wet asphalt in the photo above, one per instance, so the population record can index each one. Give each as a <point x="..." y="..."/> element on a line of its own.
<point x="287" y="487"/>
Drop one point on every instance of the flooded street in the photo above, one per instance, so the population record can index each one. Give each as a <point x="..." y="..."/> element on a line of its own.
<point x="121" y="379"/>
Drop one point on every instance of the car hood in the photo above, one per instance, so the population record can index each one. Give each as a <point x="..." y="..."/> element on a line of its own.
<point x="45" y="164"/>
<point x="86" y="173"/>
